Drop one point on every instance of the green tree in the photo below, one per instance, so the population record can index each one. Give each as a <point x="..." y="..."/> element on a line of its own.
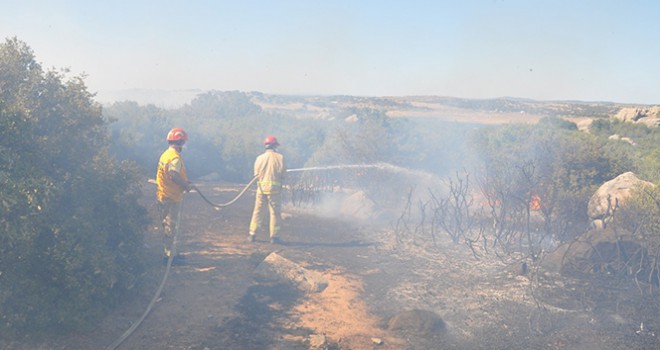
<point x="557" y="123"/>
<point x="138" y="133"/>
<point x="70" y="224"/>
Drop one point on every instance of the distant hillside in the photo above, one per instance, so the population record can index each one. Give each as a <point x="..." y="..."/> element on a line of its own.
<point x="497" y="110"/>
<point x="450" y="108"/>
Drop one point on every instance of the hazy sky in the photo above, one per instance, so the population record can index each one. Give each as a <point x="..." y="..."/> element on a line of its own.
<point x="590" y="50"/>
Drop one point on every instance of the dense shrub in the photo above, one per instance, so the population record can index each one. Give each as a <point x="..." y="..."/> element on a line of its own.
<point x="70" y="224"/>
<point x="225" y="129"/>
<point x="560" y="166"/>
<point x="642" y="156"/>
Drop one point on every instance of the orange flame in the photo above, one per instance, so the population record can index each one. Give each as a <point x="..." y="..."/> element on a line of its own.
<point x="535" y="203"/>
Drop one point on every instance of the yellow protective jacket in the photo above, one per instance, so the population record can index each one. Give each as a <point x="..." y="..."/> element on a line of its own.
<point x="269" y="168"/>
<point x="167" y="188"/>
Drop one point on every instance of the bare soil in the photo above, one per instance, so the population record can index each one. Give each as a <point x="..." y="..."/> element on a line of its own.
<point x="384" y="292"/>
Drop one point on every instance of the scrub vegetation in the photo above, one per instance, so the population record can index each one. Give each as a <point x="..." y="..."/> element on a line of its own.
<point x="70" y="225"/>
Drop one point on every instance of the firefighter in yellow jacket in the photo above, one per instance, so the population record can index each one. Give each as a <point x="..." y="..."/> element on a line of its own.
<point x="269" y="168"/>
<point x="173" y="183"/>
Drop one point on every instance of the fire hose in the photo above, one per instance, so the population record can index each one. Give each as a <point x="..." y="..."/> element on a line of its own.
<point x="153" y="301"/>
<point x="218" y="206"/>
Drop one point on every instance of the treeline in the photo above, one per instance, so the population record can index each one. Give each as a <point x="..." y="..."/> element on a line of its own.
<point x="226" y="130"/>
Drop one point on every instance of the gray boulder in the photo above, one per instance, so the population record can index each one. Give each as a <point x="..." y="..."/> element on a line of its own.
<point x="597" y="251"/>
<point x="607" y="199"/>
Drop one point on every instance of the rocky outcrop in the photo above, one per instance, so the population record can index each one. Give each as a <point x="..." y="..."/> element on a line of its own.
<point x="416" y="322"/>
<point x="649" y="116"/>
<point x="596" y="251"/>
<point x="617" y="137"/>
<point x="605" y="248"/>
<point x="277" y="268"/>
<point x="358" y="206"/>
<point x="610" y="196"/>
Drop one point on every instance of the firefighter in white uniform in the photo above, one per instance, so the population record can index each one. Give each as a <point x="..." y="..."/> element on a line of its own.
<point x="269" y="168"/>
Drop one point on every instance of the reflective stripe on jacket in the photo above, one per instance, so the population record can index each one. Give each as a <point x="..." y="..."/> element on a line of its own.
<point x="167" y="188"/>
<point x="270" y="169"/>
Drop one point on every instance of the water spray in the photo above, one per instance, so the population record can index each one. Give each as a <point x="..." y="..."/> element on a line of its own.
<point x="332" y="167"/>
<point x="381" y="166"/>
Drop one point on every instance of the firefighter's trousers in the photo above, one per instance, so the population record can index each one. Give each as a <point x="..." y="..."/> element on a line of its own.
<point x="169" y="214"/>
<point x="274" y="207"/>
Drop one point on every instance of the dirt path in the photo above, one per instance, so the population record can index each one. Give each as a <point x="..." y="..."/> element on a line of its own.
<point x="215" y="301"/>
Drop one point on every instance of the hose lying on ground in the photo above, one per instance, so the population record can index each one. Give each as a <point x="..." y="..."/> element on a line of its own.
<point x="135" y="325"/>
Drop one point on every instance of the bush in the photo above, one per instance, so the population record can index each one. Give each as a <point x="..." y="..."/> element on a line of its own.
<point x="640" y="214"/>
<point x="561" y="166"/>
<point x="71" y="227"/>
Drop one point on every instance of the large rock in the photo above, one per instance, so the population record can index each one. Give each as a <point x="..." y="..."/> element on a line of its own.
<point x="358" y="206"/>
<point x="277" y="268"/>
<point x="416" y="322"/>
<point x="624" y="139"/>
<point x="610" y="196"/>
<point x="598" y="251"/>
<point x="650" y="116"/>
<point x="604" y="248"/>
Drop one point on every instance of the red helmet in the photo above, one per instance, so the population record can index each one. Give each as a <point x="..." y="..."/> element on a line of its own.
<point x="177" y="134"/>
<point x="271" y="141"/>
